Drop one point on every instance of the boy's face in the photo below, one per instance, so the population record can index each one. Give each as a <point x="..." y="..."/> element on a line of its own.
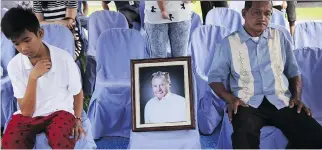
<point x="28" y="43"/>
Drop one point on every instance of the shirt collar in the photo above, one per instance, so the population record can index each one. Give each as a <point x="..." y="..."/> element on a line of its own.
<point x="29" y="66"/>
<point x="244" y="36"/>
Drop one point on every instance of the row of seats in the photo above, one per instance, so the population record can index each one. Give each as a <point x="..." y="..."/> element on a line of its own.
<point x="110" y="106"/>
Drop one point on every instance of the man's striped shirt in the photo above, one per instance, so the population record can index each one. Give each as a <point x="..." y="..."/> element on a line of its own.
<point x="55" y="10"/>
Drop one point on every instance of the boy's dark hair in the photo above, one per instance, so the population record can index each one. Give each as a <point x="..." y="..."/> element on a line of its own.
<point x="17" y="20"/>
<point x="248" y="4"/>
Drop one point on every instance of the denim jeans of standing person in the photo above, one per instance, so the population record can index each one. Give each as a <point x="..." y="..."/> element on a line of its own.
<point x="83" y="20"/>
<point x="159" y="35"/>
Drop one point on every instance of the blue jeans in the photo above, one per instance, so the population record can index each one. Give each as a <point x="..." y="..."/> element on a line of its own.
<point x="83" y="21"/>
<point x="159" y="35"/>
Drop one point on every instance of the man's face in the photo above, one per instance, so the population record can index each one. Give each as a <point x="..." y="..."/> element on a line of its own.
<point x="28" y="43"/>
<point x="258" y="16"/>
<point x="160" y="87"/>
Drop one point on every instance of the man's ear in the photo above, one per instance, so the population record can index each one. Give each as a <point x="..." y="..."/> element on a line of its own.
<point x="244" y="13"/>
<point x="41" y="33"/>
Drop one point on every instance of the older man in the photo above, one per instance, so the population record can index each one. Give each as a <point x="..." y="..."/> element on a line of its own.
<point x="164" y="106"/>
<point x="265" y="83"/>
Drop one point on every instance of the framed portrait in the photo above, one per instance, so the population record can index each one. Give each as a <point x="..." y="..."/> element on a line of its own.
<point x="162" y="97"/>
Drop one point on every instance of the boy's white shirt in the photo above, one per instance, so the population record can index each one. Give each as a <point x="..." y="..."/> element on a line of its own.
<point x="55" y="89"/>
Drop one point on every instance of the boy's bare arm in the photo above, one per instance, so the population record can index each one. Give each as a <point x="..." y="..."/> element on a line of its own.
<point x="28" y="102"/>
<point x="78" y="108"/>
<point x="78" y="104"/>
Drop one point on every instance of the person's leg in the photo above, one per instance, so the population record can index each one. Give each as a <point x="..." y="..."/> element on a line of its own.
<point x="83" y="21"/>
<point x="158" y="39"/>
<point x="59" y="130"/>
<point x="220" y="3"/>
<point x="247" y="124"/>
<point x="21" y="132"/>
<point x="179" y="33"/>
<point x="291" y="15"/>
<point x="130" y="17"/>
<point x="206" y="6"/>
<point x="301" y="130"/>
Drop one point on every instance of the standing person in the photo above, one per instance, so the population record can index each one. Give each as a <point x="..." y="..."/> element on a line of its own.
<point x="280" y="5"/>
<point x="265" y="83"/>
<point x="168" y="21"/>
<point x="47" y="85"/>
<point x="63" y="13"/>
<point x="291" y="15"/>
<point x="206" y="6"/>
<point x="12" y="4"/>
<point x="82" y="12"/>
<point x="290" y="8"/>
<point x="130" y="9"/>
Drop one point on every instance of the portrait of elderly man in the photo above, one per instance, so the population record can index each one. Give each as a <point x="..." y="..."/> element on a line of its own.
<point x="265" y="83"/>
<point x="165" y="106"/>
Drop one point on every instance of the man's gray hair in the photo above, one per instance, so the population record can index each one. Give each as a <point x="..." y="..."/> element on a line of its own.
<point x="159" y="74"/>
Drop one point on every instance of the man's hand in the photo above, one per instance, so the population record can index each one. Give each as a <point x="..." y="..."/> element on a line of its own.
<point x="41" y="67"/>
<point x="78" y="130"/>
<point x="300" y="106"/>
<point x="68" y="23"/>
<point x="233" y="107"/>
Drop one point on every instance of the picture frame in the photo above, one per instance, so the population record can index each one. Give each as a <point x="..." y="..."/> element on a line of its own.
<point x="162" y="95"/>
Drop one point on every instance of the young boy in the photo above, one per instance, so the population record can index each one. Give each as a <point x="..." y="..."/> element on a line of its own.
<point x="47" y="85"/>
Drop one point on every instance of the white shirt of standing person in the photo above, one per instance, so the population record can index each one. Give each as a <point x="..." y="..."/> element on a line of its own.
<point x="55" y="89"/>
<point x="178" y="11"/>
<point x="277" y="3"/>
<point x="165" y="107"/>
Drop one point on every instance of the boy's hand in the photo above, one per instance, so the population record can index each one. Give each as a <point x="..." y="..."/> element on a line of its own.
<point x="78" y="130"/>
<point x="41" y="67"/>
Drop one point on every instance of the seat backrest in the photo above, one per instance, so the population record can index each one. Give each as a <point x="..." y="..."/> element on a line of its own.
<point x="310" y="64"/>
<point x="224" y="17"/>
<point x="278" y="18"/>
<point x="115" y="49"/>
<point x="204" y="41"/>
<point x="238" y="6"/>
<point x="284" y="30"/>
<point x="195" y="22"/>
<point x="100" y="21"/>
<point x="3" y="11"/>
<point x="7" y="53"/>
<point x="59" y="36"/>
<point x="308" y="34"/>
